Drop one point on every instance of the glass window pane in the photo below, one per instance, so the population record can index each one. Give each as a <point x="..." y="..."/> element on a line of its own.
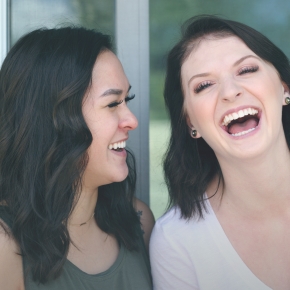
<point x="27" y="15"/>
<point x="166" y="16"/>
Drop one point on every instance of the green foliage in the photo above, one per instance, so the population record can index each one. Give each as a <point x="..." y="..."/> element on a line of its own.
<point x="157" y="110"/>
<point x="96" y="14"/>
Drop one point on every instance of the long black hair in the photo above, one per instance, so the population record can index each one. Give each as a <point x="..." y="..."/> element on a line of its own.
<point x="43" y="146"/>
<point x="190" y="164"/>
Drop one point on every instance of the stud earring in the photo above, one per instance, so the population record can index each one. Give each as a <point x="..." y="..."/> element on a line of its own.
<point x="194" y="132"/>
<point x="287" y="100"/>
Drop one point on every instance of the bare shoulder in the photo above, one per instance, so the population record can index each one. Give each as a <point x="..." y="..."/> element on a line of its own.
<point x="146" y="218"/>
<point x="11" y="273"/>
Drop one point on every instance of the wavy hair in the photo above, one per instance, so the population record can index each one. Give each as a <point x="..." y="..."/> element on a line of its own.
<point x="43" y="146"/>
<point x="190" y="164"/>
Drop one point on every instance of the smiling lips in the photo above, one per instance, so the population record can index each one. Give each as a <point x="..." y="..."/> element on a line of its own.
<point x="241" y="122"/>
<point x="117" y="145"/>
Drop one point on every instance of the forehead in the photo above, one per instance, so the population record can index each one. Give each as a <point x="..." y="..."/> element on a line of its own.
<point x="108" y="72"/>
<point x="211" y="51"/>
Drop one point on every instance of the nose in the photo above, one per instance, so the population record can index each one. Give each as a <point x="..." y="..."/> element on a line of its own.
<point x="230" y="90"/>
<point x="128" y="120"/>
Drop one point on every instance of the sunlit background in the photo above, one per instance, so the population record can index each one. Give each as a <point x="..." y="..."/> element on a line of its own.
<point x="271" y="17"/>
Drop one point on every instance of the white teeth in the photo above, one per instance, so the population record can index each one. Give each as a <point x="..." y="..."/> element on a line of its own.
<point x="235" y="116"/>
<point x="240" y="114"/>
<point x="117" y="145"/>
<point x="244" y="132"/>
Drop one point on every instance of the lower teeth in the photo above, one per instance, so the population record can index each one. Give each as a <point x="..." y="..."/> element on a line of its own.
<point x="243" y="133"/>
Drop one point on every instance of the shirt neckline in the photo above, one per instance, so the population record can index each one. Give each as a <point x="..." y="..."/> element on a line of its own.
<point x="229" y="253"/>
<point x="103" y="275"/>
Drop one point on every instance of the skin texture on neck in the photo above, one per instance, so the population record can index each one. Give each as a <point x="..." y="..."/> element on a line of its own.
<point x="257" y="184"/>
<point x="84" y="208"/>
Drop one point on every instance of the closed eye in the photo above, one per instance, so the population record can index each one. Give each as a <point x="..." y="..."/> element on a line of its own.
<point x="116" y="104"/>
<point x="202" y="86"/>
<point x="129" y="98"/>
<point x="248" y="69"/>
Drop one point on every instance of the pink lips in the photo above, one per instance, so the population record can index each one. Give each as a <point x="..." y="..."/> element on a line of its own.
<point x="236" y="115"/>
<point x="236" y="110"/>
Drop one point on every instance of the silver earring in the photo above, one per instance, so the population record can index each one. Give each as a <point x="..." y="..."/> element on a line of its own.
<point x="194" y="132"/>
<point x="287" y="100"/>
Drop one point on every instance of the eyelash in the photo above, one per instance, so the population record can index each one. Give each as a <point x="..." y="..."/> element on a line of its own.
<point x="244" y="70"/>
<point x="248" y="69"/>
<point x="202" y="86"/>
<point x="116" y="104"/>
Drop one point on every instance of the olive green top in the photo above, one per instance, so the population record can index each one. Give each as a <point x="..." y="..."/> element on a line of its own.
<point x="130" y="271"/>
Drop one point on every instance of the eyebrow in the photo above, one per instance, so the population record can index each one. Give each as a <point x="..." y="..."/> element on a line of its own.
<point x="243" y="58"/>
<point x="235" y="64"/>
<point x="117" y="92"/>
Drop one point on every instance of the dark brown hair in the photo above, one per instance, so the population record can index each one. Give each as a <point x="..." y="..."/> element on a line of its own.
<point x="43" y="146"/>
<point x="190" y="164"/>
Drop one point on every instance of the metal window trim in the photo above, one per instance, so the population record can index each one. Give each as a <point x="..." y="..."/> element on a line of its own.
<point x="4" y="26"/>
<point x="132" y="41"/>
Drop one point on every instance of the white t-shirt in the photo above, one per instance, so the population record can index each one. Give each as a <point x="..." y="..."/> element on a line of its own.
<point x="196" y="254"/>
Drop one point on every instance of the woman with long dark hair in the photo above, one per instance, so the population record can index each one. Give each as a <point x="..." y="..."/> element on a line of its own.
<point x="68" y="216"/>
<point x="227" y="165"/>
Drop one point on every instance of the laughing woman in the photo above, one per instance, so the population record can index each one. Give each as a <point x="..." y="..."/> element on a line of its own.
<point x="227" y="166"/>
<point x="68" y="217"/>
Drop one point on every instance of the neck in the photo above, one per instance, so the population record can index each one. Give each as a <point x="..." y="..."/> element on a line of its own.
<point x="84" y="210"/>
<point x="260" y="183"/>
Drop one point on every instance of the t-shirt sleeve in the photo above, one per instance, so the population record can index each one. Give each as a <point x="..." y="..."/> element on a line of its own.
<point x="171" y="264"/>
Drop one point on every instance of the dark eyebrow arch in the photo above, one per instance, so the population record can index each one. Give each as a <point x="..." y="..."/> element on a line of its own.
<point x="113" y="92"/>
<point x="197" y="76"/>
<point x="243" y="58"/>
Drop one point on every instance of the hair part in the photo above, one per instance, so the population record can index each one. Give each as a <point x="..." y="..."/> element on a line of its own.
<point x="190" y="164"/>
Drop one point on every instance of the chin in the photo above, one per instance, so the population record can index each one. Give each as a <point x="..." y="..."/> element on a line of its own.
<point x="121" y="176"/>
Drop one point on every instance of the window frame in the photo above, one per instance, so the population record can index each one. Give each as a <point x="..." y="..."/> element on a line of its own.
<point x="4" y="28"/>
<point x="132" y="41"/>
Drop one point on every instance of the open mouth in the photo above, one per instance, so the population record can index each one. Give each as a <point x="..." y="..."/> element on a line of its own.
<point x="118" y="146"/>
<point x="241" y="122"/>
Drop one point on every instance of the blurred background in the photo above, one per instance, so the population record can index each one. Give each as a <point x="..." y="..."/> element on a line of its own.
<point x="271" y="17"/>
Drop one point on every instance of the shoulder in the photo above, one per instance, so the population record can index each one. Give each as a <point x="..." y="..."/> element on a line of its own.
<point x="167" y="226"/>
<point x="178" y="232"/>
<point x="146" y="219"/>
<point x="172" y="220"/>
<point x="11" y="272"/>
<point x="171" y="246"/>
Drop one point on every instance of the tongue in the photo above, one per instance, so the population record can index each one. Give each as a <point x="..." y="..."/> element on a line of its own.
<point x="244" y="126"/>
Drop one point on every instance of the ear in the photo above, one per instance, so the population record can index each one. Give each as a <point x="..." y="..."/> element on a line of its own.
<point x="286" y="95"/>
<point x="191" y="128"/>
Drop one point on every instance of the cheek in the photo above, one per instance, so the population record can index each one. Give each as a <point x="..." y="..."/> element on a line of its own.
<point x="92" y="153"/>
<point x="200" y="112"/>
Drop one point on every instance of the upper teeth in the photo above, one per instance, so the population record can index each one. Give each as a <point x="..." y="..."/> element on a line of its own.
<point x="117" y="145"/>
<point x="240" y="114"/>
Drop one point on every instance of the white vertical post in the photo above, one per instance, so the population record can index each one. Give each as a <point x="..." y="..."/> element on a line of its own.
<point x="3" y="29"/>
<point x="132" y="39"/>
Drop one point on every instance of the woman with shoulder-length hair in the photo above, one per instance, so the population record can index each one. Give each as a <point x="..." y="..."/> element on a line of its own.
<point x="227" y="164"/>
<point x="67" y="212"/>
